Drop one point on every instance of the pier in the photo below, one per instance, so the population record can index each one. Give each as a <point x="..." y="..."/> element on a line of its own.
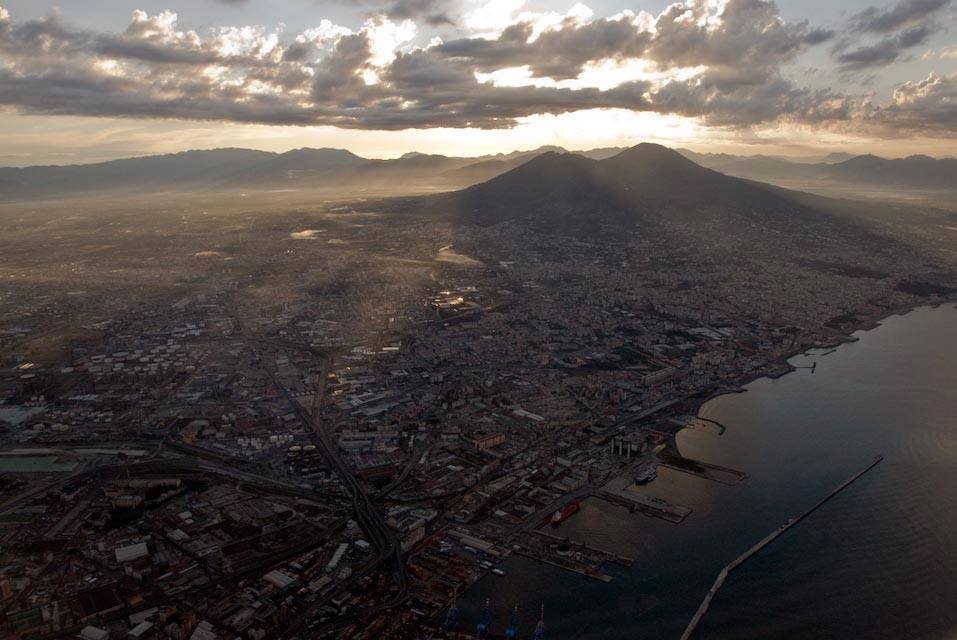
<point x="716" y="473"/>
<point x="689" y="422"/>
<point x="747" y="555"/>
<point x="617" y="492"/>
<point x="570" y="555"/>
<point x="601" y="554"/>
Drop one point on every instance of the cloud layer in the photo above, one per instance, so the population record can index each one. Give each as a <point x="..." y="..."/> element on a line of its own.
<point x="900" y="27"/>
<point x="723" y="63"/>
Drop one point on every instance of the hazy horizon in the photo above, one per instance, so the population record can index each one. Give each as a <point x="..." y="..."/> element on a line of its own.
<point x="806" y="156"/>
<point x="309" y="331"/>
<point x="82" y="83"/>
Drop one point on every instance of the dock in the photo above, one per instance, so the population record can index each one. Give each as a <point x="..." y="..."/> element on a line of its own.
<point x="617" y="492"/>
<point x="570" y="555"/>
<point x="608" y="556"/>
<point x="747" y="555"/>
<point x="690" y="423"/>
<point x="706" y="470"/>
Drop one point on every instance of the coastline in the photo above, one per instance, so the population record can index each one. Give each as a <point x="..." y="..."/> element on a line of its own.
<point x="775" y="369"/>
<point x="895" y="343"/>
<point x="781" y="366"/>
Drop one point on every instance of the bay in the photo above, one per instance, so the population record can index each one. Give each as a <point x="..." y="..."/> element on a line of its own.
<point x="878" y="561"/>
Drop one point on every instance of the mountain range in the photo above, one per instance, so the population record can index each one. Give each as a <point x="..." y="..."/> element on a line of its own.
<point x="336" y="169"/>
<point x="665" y="207"/>
<point x="329" y="169"/>
<point x="917" y="171"/>
<point x="646" y="187"/>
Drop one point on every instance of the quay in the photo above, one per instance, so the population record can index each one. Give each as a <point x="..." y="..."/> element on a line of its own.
<point x="570" y="555"/>
<point x="616" y="492"/>
<point x="608" y="556"/>
<point x="747" y="555"/>
<point x="706" y="470"/>
<point x="689" y="421"/>
<point x="568" y="564"/>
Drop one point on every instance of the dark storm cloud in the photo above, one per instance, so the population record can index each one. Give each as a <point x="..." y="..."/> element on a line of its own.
<point x="902" y="26"/>
<point x="905" y="12"/>
<point x="558" y="54"/>
<point x="723" y="68"/>
<point x="751" y="34"/>
<point x="730" y="100"/>
<point x="819" y="35"/>
<point x="76" y="93"/>
<point x="885" y="51"/>
<point x="338" y="74"/>
<point x="433" y="12"/>
<point x="48" y="37"/>
<point x="41" y="38"/>
<point x="924" y="107"/>
<point x="120" y="47"/>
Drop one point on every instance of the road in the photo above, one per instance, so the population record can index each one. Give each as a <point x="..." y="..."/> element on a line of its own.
<point x="379" y="534"/>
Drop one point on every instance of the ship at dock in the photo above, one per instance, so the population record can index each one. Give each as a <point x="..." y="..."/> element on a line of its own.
<point x="565" y="513"/>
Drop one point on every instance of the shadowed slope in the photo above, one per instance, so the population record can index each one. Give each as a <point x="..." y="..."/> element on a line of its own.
<point x="569" y="193"/>
<point x="562" y="190"/>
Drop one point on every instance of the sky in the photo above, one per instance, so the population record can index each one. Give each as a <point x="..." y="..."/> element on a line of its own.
<point x="84" y="81"/>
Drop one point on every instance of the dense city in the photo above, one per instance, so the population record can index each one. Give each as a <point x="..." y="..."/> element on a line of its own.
<point x="348" y="419"/>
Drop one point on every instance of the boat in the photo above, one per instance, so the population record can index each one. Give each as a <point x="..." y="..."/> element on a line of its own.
<point x="565" y="513"/>
<point x="498" y="572"/>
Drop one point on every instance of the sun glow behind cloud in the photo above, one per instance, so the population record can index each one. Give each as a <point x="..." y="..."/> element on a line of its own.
<point x="603" y="75"/>
<point x="68" y="140"/>
<point x="505" y="75"/>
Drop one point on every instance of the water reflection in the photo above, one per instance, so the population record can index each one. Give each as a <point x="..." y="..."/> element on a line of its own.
<point x="880" y="561"/>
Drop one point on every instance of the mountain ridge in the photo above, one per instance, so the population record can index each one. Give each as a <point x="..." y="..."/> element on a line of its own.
<point x="305" y="167"/>
<point x="642" y="185"/>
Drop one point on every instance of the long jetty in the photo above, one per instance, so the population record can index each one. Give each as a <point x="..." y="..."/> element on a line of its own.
<point x="753" y="551"/>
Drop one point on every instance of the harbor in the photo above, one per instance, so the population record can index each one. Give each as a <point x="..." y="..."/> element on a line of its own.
<point x="757" y="548"/>
<point x="797" y="438"/>
<point x="620" y="491"/>
<point x="706" y="470"/>
<point x="570" y="555"/>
